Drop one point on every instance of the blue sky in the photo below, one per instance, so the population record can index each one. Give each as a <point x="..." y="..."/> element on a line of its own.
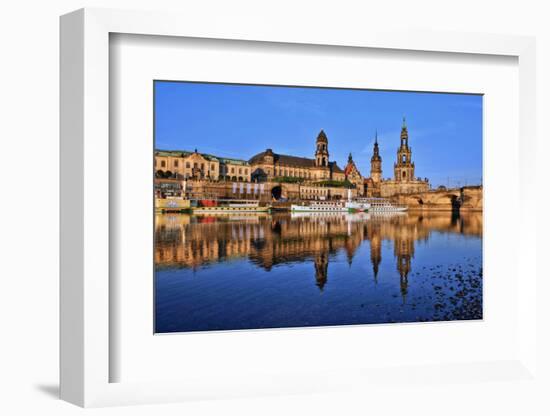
<point x="445" y="130"/>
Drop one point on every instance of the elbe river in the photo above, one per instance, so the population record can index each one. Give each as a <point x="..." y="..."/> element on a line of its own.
<point x="255" y="271"/>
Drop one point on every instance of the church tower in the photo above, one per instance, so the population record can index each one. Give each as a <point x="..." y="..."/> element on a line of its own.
<point x="321" y="152"/>
<point x="404" y="168"/>
<point x="376" y="162"/>
<point x="375" y="249"/>
<point x="321" y="269"/>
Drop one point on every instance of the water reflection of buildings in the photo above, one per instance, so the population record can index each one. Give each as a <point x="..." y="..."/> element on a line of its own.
<point x="185" y="241"/>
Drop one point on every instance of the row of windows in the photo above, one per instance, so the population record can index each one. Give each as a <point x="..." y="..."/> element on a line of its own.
<point x="292" y="173"/>
<point x="314" y="191"/>
<point x="232" y="170"/>
<point x="286" y="172"/>
<point x="187" y="165"/>
<point x="196" y="166"/>
<point x="187" y="175"/>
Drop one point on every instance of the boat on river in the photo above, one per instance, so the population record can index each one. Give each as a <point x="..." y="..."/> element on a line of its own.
<point x="228" y="206"/>
<point x="172" y="205"/>
<point x="330" y="215"/>
<point x="332" y="206"/>
<point x="383" y="205"/>
<point x="319" y="206"/>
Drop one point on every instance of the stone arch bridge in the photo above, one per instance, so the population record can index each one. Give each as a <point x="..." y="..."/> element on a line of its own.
<point x="454" y="199"/>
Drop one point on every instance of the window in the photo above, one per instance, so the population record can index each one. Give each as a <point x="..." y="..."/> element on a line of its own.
<point x="404" y="158"/>
<point x="232" y="170"/>
<point x="187" y="165"/>
<point x="176" y="163"/>
<point x="202" y="166"/>
<point x="213" y="167"/>
<point x="240" y="171"/>
<point x="163" y="164"/>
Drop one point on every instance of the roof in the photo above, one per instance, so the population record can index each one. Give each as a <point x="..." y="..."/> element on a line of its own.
<point x="227" y="161"/>
<point x="173" y="153"/>
<point x="335" y="167"/>
<point x="322" y="137"/>
<point x="185" y="153"/>
<point x="292" y="161"/>
<point x="284" y="159"/>
<point x="349" y="168"/>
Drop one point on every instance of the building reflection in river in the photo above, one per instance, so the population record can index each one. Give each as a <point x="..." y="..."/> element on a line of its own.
<point x="184" y="241"/>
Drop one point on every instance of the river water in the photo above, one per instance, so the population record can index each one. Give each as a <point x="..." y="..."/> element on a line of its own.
<point x="295" y="270"/>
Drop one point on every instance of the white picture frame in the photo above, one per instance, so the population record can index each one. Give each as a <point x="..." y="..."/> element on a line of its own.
<point x="85" y="211"/>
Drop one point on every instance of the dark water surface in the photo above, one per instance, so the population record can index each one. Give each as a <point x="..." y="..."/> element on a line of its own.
<point x="287" y="270"/>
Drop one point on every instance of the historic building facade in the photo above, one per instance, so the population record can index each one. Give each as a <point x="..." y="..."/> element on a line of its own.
<point x="404" y="180"/>
<point x="270" y="166"/>
<point x="195" y="165"/>
<point x="352" y="174"/>
<point x="304" y="178"/>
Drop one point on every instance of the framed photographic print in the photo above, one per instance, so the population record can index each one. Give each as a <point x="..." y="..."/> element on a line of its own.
<point x="282" y="213"/>
<point x="298" y="232"/>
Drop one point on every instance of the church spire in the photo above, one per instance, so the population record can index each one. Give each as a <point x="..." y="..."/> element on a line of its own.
<point x="376" y="161"/>
<point x="375" y="151"/>
<point x="404" y="134"/>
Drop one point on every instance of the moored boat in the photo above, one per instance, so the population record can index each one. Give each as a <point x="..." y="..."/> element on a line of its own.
<point x="357" y="206"/>
<point x="172" y="204"/>
<point x="383" y="205"/>
<point x="332" y="206"/>
<point x="227" y="206"/>
<point x="319" y="206"/>
<point x="330" y="215"/>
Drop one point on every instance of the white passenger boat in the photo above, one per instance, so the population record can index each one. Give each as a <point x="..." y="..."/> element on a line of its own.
<point x="213" y="206"/>
<point x="319" y="206"/>
<point x="330" y="215"/>
<point x="332" y="206"/>
<point x="383" y="205"/>
<point x="357" y="206"/>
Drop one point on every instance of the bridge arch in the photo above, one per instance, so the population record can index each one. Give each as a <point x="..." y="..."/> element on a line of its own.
<point x="417" y="200"/>
<point x="277" y="192"/>
<point x="450" y="199"/>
